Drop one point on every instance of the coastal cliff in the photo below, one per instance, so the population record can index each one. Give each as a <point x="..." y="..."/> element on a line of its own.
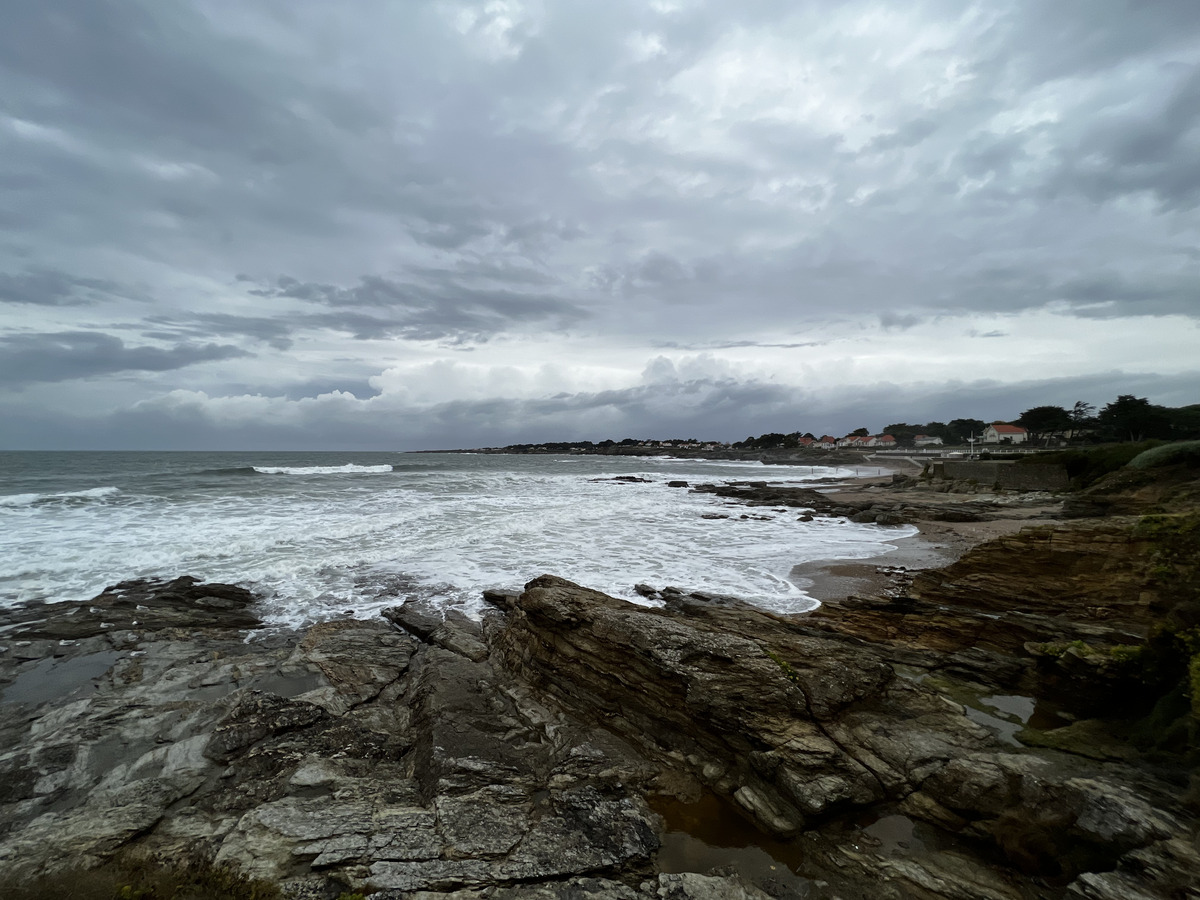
<point x="1014" y="725"/>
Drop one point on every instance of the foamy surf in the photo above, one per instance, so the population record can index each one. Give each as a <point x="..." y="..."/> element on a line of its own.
<point x="347" y="469"/>
<point x="17" y="500"/>
<point x="443" y="528"/>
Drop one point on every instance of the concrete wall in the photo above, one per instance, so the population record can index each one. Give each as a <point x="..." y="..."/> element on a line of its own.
<point x="1008" y="475"/>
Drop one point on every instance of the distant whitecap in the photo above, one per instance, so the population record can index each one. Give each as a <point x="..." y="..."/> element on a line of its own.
<point x="348" y="469"/>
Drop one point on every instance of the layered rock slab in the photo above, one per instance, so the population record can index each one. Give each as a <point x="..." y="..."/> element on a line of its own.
<point x="348" y="755"/>
<point x="789" y="724"/>
<point x="514" y="757"/>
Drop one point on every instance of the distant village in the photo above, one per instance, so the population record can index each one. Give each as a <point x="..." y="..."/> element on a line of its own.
<point x="1041" y="428"/>
<point x="996" y="433"/>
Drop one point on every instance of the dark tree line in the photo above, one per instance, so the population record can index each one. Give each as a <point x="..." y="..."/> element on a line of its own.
<point x="1128" y="418"/>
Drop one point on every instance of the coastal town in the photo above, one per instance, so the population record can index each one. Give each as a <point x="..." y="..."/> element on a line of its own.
<point x="1040" y="428"/>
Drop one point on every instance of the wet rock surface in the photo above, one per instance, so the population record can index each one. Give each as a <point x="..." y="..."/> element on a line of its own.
<point x="880" y="510"/>
<point x="871" y="746"/>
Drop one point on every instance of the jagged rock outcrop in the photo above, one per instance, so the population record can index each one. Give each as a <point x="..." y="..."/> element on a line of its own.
<point x="352" y="754"/>
<point x="741" y="699"/>
<point x="1099" y="572"/>
<point x="142" y="604"/>
<point x="1057" y="611"/>
<point x="862" y="509"/>
<point x="435" y="756"/>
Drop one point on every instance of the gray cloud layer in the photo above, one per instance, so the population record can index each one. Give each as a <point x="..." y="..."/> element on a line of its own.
<point x="67" y="355"/>
<point x="722" y="409"/>
<point x="306" y="194"/>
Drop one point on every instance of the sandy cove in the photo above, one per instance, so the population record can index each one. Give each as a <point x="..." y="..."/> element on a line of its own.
<point x="937" y="543"/>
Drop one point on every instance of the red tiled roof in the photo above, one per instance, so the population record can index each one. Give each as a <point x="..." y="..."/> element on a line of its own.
<point x="1002" y="428"/>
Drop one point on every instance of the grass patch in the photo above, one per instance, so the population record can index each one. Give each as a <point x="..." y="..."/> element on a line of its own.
<point x="786" y="667"/>
<point x="134" y="877"/>
<point x="1186" y="453"/>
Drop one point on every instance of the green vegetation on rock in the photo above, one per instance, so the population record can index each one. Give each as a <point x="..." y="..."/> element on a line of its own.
<point x="134" y="877"/>
<point x="1087" y="466"/>
<point x="1180" y="453"/>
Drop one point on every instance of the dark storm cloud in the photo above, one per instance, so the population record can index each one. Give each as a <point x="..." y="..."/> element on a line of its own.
<point x="215" y="326"/>
<point x="899" y="321"/>
<point x="1153" y="149"/>
<point x="30" y="358"/>
<point x="244" y="147"/>
<point x="447" y="311"/>
<point x="133" y="116"/>
<point x="360" y="326"/>
<point x="1046" y="41"/>
<point x="1108" y="295"/>
<point x="51" y="288"/>
<point x="501" y="271"/>
<point x="449" y="236"/>
<point x="103" y="54"/>
<point x="160" y="73"/>
<point x="275" y="332"/>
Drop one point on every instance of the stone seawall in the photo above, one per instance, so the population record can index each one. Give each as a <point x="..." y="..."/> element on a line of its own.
<point x="1007" y="475"/>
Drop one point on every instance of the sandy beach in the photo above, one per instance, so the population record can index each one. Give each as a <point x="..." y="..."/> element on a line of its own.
<point x="936" y="544"/>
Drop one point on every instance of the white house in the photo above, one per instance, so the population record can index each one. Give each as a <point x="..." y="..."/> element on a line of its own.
<point x="1001" y="431"/>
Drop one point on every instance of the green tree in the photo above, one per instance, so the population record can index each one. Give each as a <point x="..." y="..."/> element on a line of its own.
<point x="939" y="429"/>
<point x="904" y="433"/>
<point x="860" y="432"/>
<point x="1130" y="418"/>
<point x="1185" y="422"/>
<point x="961" y="429"/>
<point x="1082" y="414"/>
<point x="1044" y="420"/>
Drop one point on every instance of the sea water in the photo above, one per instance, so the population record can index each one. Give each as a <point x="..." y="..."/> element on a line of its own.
<point x="320" y="535"/>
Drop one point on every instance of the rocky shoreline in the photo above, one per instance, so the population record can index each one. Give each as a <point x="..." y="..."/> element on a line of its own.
<point x="968" y="733"/>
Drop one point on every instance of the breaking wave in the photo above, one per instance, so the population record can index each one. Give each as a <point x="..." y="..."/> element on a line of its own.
<point x="15" y="500"/>
<point x="348" y="469"/>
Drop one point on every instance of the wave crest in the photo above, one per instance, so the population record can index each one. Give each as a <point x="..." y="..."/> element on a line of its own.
<point x="15" y="500"/>
<point x="348" y="469"/>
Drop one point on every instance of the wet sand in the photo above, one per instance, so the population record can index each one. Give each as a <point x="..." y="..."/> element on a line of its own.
<point x="936" y="544"/>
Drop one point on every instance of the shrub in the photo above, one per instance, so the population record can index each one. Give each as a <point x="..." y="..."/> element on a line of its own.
<point x="1085" y="467"/>
<point x="1185" y="453"/>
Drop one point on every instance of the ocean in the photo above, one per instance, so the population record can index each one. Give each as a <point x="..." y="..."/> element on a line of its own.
<point x="320" y="535"/>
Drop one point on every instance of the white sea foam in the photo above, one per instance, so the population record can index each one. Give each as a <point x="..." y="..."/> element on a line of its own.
<point x="15" y="500"/>
<point x="348" y="469"/>
<point x="318" y="547"/>
<point x="20" y="499"/>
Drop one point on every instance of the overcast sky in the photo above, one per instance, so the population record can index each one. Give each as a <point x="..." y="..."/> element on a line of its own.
<point x="402" y="225"/>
